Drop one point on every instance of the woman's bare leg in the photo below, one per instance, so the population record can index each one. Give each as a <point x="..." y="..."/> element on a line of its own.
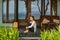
<point x="26" y="30"/>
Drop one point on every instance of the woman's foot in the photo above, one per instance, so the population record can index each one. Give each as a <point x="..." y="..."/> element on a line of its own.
<point x="26" y="31"/>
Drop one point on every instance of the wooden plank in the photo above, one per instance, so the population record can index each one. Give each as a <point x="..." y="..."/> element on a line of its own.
<point x="30" y="38"/>
<point x="24" y="0"/>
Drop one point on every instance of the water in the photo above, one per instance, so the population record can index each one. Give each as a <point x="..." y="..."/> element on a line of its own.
<point x="23" y="15"/>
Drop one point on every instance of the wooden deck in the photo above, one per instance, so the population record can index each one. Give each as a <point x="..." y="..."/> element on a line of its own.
<point x="30" y="35"/>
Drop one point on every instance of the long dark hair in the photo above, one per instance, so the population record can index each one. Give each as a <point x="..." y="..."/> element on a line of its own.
<point x="29" y="20"/>
<point x="33" y="17"/>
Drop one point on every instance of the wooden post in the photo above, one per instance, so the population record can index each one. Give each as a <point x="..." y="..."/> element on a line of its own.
<point x="7" y="10"/>
<point x="42" y="10"/>
<point x="51" y="7"/>
<point x="42" y="7"/>
<point x="51" y="10"/>
<point x="15" y="25"/>
<point x="16" y="14"/>
<point x="55" y="4"/>
<point x="28" y="8"/>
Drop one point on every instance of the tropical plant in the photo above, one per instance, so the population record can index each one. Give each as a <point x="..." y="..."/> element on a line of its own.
<point x="8" y="33"/>
<point x="51" y="35"/>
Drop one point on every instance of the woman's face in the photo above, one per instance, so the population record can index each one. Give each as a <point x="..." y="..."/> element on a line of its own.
<point x="31" y="19"/>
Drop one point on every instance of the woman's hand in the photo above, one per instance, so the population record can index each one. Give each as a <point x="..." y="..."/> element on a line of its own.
<point x="26" y="27"/>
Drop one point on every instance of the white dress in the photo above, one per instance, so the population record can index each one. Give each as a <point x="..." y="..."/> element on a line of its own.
<point x="33" y="25"/>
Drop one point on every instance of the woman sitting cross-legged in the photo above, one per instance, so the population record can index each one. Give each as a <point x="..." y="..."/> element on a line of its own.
<point x="31" y="25"/>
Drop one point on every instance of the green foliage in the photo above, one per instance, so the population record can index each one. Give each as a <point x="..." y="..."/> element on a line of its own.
<point x="8" y="33"/>
<point x="51" y="35"/>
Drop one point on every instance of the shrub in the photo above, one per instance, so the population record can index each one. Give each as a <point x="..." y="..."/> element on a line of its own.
<point x="8" y="33"/>
<point x="51" y="35"/>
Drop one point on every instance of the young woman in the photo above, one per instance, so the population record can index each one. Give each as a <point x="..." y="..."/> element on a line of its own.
<point x="31" y="25"/>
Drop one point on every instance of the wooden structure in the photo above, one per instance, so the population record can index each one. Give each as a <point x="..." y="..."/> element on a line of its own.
<point x="53" y="6"/>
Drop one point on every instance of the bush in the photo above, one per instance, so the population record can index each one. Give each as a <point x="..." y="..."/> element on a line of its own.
<point x="8" y="33"/>
<point x="51" y="35"/>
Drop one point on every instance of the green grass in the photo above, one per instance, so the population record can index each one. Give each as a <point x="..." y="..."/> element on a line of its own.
<point x="8" y="33"/>
<point x="51" y="35"/>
